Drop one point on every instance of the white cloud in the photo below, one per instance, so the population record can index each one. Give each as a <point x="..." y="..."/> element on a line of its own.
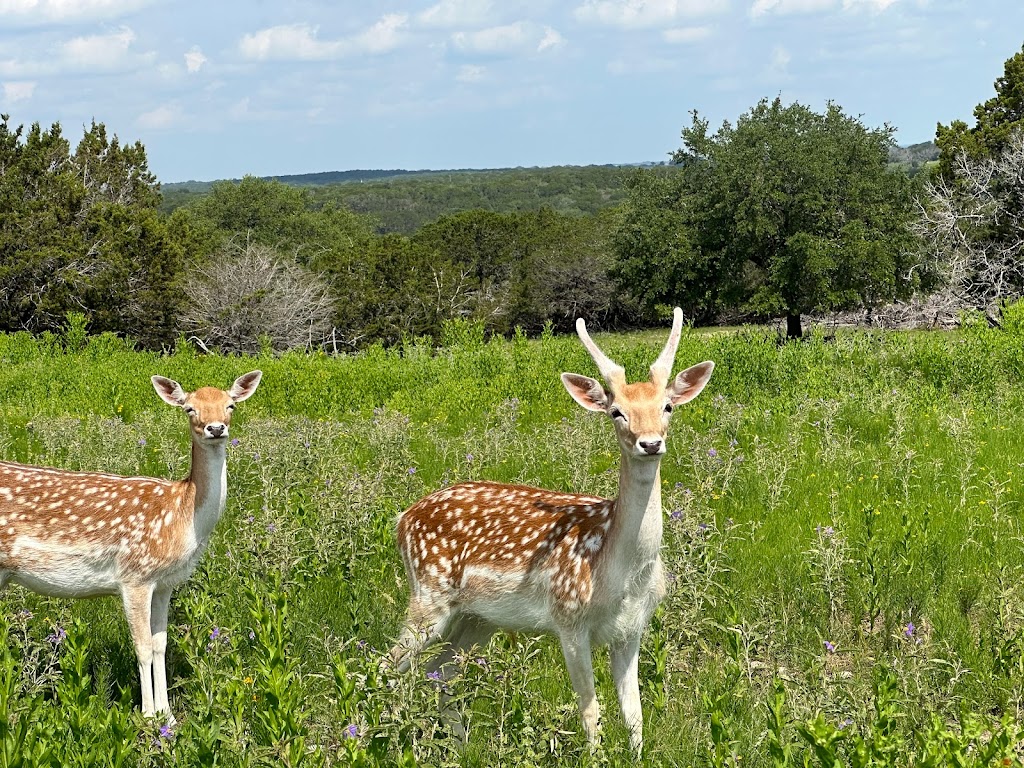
<point x="686" y="34"/>
<point x="384" y="36"/>
<point x="778" y="67"/>
<point x="65" y="11"/>
<point x="163" y="116"/>
<point x="508" y="39"/>
<point x="195" y="59"/>
<point x="871" y="5"/>
<point x="457" y="13"/>
<point x="471" y="73"/>
<point x="18" y="90"/>
<point x="551" y="39"/>
<point x="287" y="41"/>
<point x="638" y="14"/>
<point x="300" y="41"/>
<point x="98" y="52"/>
<point x="761" y="7"/>
<point x="640" y="66"/>
<point x="110" y="52"/>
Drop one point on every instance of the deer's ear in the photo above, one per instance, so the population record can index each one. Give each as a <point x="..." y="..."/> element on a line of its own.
<point x="169" y="390"/>
<point x="586" y="391"/>
<point x="245" y="385"/>
<point x="689" y="383"/>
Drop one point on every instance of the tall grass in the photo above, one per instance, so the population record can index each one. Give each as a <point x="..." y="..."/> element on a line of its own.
<point x="843" y="536"/>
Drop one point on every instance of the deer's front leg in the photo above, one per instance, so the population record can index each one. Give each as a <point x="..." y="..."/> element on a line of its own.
<point x="625" y="660"/>
<point x="158" y="627"/>
<point x="576" y="648"/>
<point x="138" y="601"/>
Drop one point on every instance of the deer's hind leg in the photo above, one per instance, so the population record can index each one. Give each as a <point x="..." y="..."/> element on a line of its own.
<point x="464" y="633"/>
<point x="427" y="622"/>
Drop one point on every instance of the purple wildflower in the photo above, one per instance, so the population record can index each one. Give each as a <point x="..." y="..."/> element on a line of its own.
<point x="166" y="732"/>
<point x="58" y="635"/>
<point x="829" y="531"/>
<point x="908" y="631"/>
<point x="215" y="633"/>
<point x="351" y="731"/>
<point x="676" y="514"/>
<point x="712" y="453"/>
<point x="469" y="457"/>
<point x="435" y="675"/>
<point x="271" y="528"/>
<point x="411" y="471"/>
<point x="252" y="635"/>
<point x="142" y="442"/>
<point x="235" y="442"/>
<point x="830" y="647"/>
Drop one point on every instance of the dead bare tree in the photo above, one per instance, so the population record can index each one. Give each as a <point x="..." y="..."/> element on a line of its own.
<point x="972" y="228"/>
<point x="250" y="293"/>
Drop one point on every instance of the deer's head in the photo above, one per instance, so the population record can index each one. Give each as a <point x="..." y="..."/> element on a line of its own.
<point x="208" y="408"/>
<point x="640" y="411"/>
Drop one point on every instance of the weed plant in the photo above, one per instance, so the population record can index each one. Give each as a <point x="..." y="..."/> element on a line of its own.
<point x="843" y="536"/>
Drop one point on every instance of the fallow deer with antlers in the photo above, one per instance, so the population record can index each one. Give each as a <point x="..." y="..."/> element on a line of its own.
<point x="484" y="556"/>
<point x="86" y="534"/>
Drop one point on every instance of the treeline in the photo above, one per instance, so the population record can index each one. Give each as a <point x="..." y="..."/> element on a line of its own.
<point x="785" y="212"/>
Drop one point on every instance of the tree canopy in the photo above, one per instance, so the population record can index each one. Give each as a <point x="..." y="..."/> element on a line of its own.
<point x="995" y="120"/>
<point x="79" y="232"/>
<point x="787" y="212"/>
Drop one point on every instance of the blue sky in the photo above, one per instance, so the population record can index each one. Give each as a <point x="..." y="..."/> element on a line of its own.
<point x="224" y="88"/>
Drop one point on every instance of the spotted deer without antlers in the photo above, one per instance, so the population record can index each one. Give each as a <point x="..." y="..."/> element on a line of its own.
<point x="484" y="556"/>
<point x="86" y="534"/>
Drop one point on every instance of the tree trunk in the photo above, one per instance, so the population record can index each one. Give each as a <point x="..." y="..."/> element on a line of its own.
<point x="794" y="329"/>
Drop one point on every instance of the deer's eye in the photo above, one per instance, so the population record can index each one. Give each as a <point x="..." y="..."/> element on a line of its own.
<point x="231" y="406"/>
<point x="617" y="414"/>
<point x="668" y="407"/>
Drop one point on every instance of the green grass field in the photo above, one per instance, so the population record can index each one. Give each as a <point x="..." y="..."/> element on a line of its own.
<point x="843" y="534"/>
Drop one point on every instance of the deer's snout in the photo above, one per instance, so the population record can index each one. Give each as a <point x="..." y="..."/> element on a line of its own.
<point x="652" y="446"/>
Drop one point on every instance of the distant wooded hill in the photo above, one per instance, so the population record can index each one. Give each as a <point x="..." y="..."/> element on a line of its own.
<point x="915" y="156"/>
<point x="401" y="201"/>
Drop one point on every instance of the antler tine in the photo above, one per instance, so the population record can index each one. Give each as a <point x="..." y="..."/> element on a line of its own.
<point x="613" y="373"/>
<point x="661" y="370"/>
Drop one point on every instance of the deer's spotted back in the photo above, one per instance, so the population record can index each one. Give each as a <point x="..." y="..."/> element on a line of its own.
<point x="51" y="518"/>
<point x="483" y="538"/>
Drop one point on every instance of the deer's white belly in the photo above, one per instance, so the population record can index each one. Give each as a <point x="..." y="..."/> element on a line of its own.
<point x="63" y="570"/>
<point x="507" y="600"/>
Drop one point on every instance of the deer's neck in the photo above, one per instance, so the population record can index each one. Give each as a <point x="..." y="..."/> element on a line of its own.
<point x="635" y="537"/>
<point x="209" y="479"/>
